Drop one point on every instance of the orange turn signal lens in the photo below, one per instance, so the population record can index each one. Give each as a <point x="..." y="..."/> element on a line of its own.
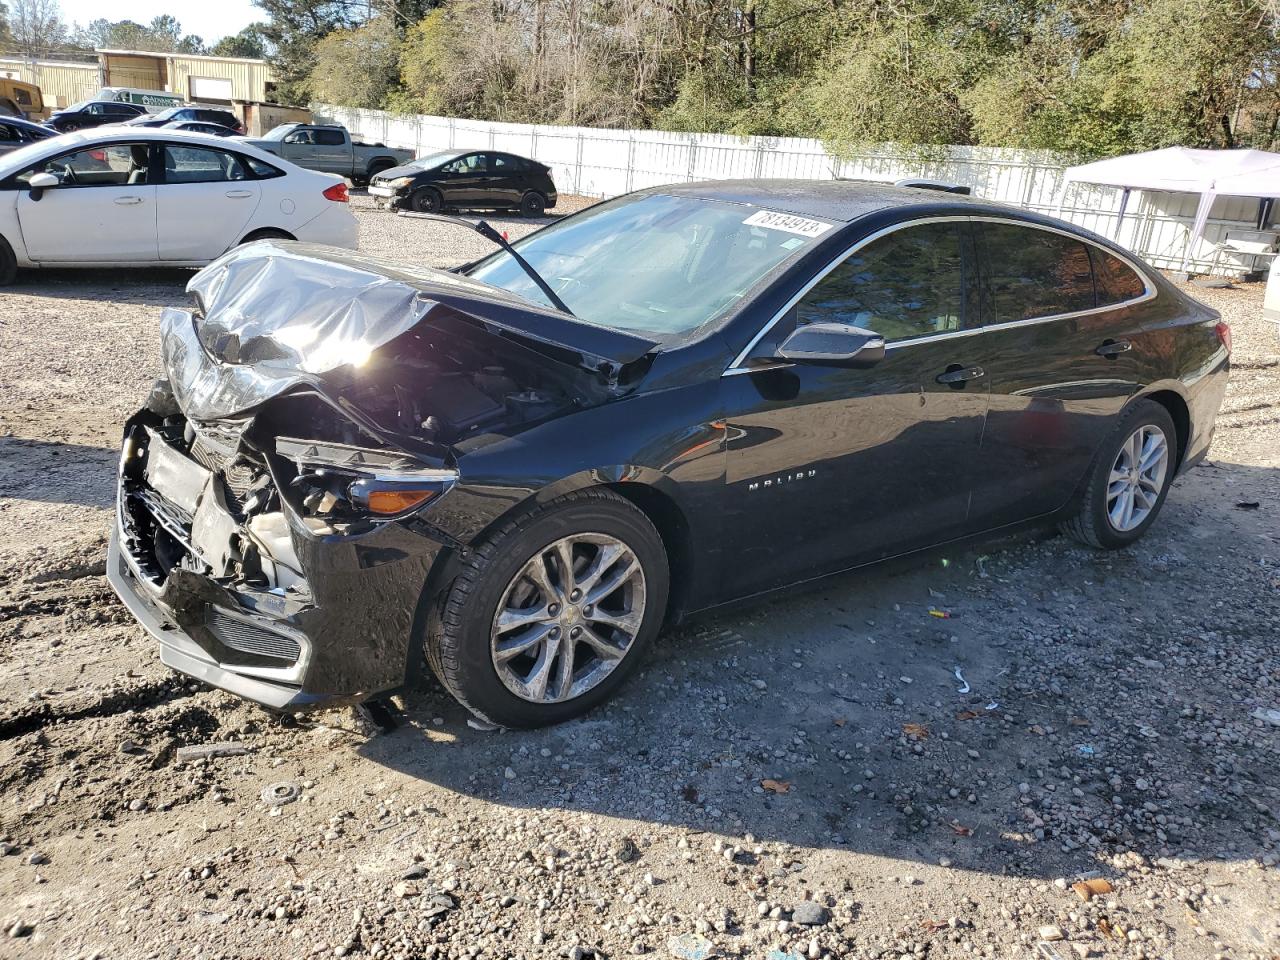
<point x="388" y="502"/>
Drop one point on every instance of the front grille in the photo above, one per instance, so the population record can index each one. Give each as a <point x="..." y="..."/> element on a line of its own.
<point x="247" y="638"/>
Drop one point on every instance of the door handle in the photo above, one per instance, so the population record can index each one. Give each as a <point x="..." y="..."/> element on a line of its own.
<point x="128" y="201"/>
<point x="1113" y="348"/>
<point x="957" y="376"/>
<point x="239" y="194"/>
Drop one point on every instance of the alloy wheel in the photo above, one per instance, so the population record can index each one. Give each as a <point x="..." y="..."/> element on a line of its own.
<point x="568" y="618"/>
<point x="1137" y="477"/>
<point x="426" y="201"/>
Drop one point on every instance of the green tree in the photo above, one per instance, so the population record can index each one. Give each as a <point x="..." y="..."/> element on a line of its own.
<point x="293" y="28"/>
<point x="249" y="42"/>
<point x="357" y="67"/>
<point x="37" y="27"/>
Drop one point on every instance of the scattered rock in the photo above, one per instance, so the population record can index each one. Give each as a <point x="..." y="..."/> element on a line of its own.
<point x="209" y="751"/>
<point x="810" y="914"/>
<point x="625" y="850"/>
<point x="690" y="946"/>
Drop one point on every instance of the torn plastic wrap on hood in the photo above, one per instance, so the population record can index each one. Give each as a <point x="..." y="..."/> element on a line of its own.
<point x="272" y="320"/>
<point x="274" y="316"/>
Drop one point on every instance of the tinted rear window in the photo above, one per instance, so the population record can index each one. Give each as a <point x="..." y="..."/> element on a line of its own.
<point x="329" y="138"/>
<point x="1115" y="280"/>
<point x="1035" y="273"/>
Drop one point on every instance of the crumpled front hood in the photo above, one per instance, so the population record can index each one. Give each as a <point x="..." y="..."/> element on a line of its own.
<point x="404" y="170"/>
<point x="275" y="315"/>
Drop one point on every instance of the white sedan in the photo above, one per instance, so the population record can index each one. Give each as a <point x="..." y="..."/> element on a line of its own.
<point x="123" y="197"/>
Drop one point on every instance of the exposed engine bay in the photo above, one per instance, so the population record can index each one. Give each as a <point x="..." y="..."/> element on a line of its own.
<point x="314" y="397"/>
<point x="372" y="442"/>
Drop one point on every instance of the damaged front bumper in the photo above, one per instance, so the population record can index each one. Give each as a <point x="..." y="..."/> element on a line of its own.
<point x="328" y="619"/>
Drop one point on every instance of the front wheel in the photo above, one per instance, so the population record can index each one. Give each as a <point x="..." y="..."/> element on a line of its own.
<point x="427" y="200"/>
<point x="552" y="612"/>
<point x="1128" y="480"/>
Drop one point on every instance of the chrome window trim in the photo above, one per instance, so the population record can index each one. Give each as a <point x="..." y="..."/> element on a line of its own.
<point x="1149" y="289"/>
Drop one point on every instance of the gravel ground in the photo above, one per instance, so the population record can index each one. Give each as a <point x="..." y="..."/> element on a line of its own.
<point x="804" y="777"/>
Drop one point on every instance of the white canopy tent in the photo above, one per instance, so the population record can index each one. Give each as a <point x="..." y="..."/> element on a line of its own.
<point x="1210" y="173"/>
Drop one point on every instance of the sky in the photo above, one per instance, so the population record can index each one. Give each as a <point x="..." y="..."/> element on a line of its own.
<point x="211" y="19"/>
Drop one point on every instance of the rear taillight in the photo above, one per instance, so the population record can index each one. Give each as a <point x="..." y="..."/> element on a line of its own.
<point x="337" y="193"/>
<point x="1223" y="330"/>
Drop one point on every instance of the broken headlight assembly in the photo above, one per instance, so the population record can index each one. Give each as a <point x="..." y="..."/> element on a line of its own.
<point x="343" y="484"/>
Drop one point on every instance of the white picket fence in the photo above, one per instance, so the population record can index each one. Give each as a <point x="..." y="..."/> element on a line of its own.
<point x="602" y="163"/>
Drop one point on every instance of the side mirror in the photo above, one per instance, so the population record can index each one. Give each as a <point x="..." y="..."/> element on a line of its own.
<point x="832" y="345"/>
<point x="40" y="182"/>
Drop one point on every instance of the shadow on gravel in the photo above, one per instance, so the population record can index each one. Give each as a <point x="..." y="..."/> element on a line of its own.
<point x="53" y="472"/>
<point x="1103" y="709"/>
<point x="147" y="286"/>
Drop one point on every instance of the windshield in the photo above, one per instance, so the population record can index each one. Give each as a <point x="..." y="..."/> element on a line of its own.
<point x="75" y="106"/>
<point x="167" y="114"/>
<point x="656" y="265"/>
<point x="434" y="159"/>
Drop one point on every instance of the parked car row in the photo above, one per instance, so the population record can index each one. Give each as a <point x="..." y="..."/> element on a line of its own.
<point x="98" y="113"/>
<point x="176" y="188"/>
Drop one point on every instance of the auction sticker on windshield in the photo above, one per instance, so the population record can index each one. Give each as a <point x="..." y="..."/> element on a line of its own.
<point x="789" y="222"/>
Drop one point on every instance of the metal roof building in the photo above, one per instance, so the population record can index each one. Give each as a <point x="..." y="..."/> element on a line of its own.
<point x="61" y="82"/>
<point x="196" y="78"/>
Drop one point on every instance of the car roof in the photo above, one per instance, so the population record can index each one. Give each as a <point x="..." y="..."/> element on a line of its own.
<point x="28" y="125"/>
<point x="845" y="200"/>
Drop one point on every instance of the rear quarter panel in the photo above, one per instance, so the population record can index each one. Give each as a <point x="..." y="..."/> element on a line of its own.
<point x="1182" y="354"/>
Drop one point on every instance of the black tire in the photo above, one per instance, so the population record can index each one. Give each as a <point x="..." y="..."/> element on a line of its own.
<point x="427" y="200"/>
<point x="8" y="263"/>
<point x="1091" y="524"/>
<point x="457" y="638"/>
<point x="533" y="204"/>
<point x="377" y="167"/>
<point x="267" y="233"/>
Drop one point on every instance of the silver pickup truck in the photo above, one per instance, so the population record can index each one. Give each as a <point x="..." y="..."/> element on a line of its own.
<point x="330" y="149"/>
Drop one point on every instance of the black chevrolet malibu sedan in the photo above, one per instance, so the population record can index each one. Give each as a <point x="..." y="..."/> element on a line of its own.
<point x="519" y="470"/>
<point x="467" y="179"/>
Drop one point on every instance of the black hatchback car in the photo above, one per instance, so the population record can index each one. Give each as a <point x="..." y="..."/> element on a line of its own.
<point x="460" y="179"/>
<point x="93" y="113"/>
<point x="519" y="470"/>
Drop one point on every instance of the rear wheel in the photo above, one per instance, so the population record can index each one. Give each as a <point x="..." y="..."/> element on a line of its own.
<point x="8" y="263"/>
<point x="268" y="233"/>
<point x="427" y="200"/>
<point x="552" y="612"/>
<point x="1128" y="480"/>
<point x="533" y="204"/>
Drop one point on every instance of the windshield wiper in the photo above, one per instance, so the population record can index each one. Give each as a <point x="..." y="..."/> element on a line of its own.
<point x="482" y="227"/>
